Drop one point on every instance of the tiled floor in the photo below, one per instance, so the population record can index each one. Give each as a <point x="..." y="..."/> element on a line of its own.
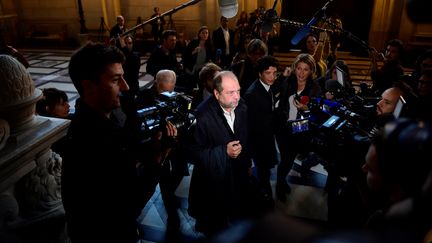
<point x="307" y="199"/>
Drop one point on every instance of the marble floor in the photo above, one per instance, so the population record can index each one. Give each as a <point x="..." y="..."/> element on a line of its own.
<point x="308" y="200"/>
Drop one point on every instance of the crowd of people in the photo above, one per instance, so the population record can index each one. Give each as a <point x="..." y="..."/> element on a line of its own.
<point x="246" y="107"/>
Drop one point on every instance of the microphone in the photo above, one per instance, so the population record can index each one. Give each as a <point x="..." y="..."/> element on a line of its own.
<point x="307" y="28"/>
<point x="228" y="8"/>
<point x="270" y="17"/>
<point x="304" y="100"/>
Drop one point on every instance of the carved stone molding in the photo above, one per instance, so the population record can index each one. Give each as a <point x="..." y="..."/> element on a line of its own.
<point x="29" y="170"/>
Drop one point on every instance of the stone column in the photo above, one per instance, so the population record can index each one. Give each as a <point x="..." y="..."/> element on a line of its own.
<point x="30" y="172"/>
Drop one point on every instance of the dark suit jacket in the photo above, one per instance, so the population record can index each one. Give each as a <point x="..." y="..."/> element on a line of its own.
<point x="218" y="182"/>
<point x="158" y="60"/>
<point x="99" y="169"/>
<point x="261" y="125"/>
<point x="116" y="30"/>
<point x="219" y="43"/>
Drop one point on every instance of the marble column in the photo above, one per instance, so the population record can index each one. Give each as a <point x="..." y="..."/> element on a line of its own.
<point x="29" y="170"/>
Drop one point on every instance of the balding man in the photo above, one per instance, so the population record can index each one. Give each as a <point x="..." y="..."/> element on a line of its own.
<point x="119" y="28"/>
<point x="172" y="165"/>
<point x="218" y="192"/>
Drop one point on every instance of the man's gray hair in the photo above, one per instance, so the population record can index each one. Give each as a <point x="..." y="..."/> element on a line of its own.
<point x="165" y="76"/>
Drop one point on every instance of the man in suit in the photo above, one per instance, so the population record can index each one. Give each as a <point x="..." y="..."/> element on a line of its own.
<point x="223" y="39"/>
<point x="164" y="55"/>
<point x="218" y="194"/>
<point x="101" y="154"/>
<point x="119" y="28"/>
<point x="157" y="25"/>
<point x="259" y="100"/>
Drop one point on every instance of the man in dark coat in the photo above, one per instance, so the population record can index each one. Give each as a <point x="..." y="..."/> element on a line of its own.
<point x="259" y="100"/>
<point x="117" y="30"/>
<point x="391" y="71"/>
<point x="223" y="39"/>
<point x="245" y="70"/>
<point x="164" y="55"/>
<point x="101" y="191"/>
<point x="222" y="166"/>
<point x="157" y="26"/>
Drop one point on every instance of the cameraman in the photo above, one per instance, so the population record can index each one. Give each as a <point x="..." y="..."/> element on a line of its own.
<point x="99" y="164"/>
<point x="349" y="199"/>
<point x="171" y="164"/>
<point x="397" y="167"/>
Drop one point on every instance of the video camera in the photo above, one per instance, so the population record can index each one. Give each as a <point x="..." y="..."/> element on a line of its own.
<point x="338" y="133"/>
<point x="172" y="106"/>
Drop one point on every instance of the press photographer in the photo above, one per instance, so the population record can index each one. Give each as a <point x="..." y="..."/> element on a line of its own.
<point x="342" y="133"/>
<point x="161" y="106"/>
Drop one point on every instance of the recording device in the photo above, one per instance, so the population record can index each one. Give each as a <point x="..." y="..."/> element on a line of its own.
<point x="399" y="106"/>
<point x="341" y="76"/>
<point x="270" y="17"/>
<point x="307" y="27"/>
<point x="302" y="99"/>
<point x="340" y="134"/>
<point x="299" y="125"/>
<point x="172" y="106"/>
<point x="218" y="54"/>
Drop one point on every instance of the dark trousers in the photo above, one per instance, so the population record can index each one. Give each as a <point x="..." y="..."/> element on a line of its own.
<point x="289" y="146"/>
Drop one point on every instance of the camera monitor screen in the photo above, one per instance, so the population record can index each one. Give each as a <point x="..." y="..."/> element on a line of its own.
<point x="331" y="121"/>
<point x="399" y="105"/>
<point x="299" y="125"/>
<point x="340" y="74"/>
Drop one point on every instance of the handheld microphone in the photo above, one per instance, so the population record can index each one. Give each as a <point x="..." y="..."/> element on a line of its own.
<point x="304" y="100"/>
<point x="228" y="8"/>
<point x="218" y="54"/>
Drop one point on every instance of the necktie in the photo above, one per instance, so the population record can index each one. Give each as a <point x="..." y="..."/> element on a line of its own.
<point x="272" y="98"/>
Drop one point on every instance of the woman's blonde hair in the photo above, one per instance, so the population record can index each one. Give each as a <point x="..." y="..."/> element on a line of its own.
<point x="308" y="59"/>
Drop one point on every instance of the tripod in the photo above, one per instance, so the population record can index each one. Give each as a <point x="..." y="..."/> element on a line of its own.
<point x="103" y="28"/>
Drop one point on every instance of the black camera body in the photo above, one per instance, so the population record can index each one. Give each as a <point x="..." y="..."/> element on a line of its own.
<point x="174" y="107"/>
<point x="340" y="135"/>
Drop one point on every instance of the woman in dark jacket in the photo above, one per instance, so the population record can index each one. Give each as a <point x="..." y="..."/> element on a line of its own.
<point x="197" y="53"/>
<point x="295" y="93"/>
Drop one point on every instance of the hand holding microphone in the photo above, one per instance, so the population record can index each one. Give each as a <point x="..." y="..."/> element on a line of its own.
<point x="301" y="102"/>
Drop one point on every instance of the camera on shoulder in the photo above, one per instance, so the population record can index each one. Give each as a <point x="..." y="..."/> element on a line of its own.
<point x="174" y="107"/>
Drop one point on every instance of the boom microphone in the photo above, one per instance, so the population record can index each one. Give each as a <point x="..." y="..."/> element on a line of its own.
<point x="307" y="28"/>
<point x="270" y="17"/>
<point x="228" y="8"/>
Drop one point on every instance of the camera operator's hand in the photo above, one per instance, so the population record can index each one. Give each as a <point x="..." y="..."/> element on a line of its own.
<point x="234" y="149"/>
<point x="171" y="130"/>
<point x="164" y="142"/>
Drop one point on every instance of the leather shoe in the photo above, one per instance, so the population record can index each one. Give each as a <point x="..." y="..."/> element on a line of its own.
<point x="280" y="194"/>
<point x="281" y="190"/>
